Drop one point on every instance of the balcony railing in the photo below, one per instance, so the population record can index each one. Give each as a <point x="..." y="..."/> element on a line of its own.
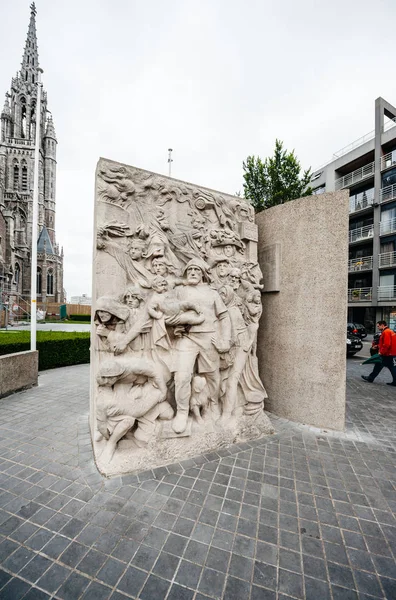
<point x="355" y="176"/>
<point x="388" y="160"/>
<point x="387" y="259"/>
<point x="386" y="292"/>
<point x="20" y="141"/>
<point x="388" y="226"/>
<point x="362" y="233"/>
<point x="361" y="201"/>
<point x="388" y="193"/>
<point x="360" y="294"/>
<point x="365" y="263"/>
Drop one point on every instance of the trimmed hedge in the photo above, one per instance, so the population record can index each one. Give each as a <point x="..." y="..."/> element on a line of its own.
<point x="56" y="348"/>
<point x="79" y="318"/>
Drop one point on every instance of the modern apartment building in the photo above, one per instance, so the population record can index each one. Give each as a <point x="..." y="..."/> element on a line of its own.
<point x="367" y="168"/>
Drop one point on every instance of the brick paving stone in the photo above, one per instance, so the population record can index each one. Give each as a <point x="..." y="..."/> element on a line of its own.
<point x="305" y="513"/>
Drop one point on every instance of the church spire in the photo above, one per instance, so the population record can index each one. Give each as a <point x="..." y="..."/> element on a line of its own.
<point x="30" y="60"/>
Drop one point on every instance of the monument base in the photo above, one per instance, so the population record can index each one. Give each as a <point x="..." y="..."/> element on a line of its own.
<point x="166" y="447"/>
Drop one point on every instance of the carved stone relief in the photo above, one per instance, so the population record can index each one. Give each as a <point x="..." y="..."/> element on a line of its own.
<point x="177" y="300"/>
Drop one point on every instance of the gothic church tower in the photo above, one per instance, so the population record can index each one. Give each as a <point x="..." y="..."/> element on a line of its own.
<point x="17" y="146"/>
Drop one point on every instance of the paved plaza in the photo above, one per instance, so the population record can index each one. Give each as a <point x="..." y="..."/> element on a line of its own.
<point x="302" y="514"/>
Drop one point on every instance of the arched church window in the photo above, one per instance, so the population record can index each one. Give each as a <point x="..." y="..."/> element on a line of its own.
<point x="50" y="282"/>
<point x="33" y="60"/>
<point x="23" y="117"/>
<point x="39" y="280"/>
<point x="17" y="273"/>
<point x="32" y="78"/>
<point x="16" y="177"/>
<point x="24" y="178"/>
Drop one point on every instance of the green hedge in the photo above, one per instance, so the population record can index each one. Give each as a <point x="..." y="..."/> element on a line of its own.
<point x="79" y="318"/>
<point x="56" y="348"/>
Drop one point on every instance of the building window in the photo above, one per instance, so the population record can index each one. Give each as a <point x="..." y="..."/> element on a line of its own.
<point x="17" y="273"/>
<point x="38" y="281"/>
<point x="50" y="282"/>
<point x="16" y="177"/>
<point x="23" y="118"/>
<point x="24" y="179"/>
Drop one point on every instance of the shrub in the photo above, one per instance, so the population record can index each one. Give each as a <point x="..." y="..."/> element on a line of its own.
<point x="56" y="348"/>
<point x="79" y="318"/>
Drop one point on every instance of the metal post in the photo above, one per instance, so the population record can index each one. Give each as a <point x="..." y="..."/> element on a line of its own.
<point x="170" y="160"/>
<point x="33" y="280"/>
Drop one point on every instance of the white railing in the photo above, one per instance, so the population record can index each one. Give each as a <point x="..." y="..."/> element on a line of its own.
<point x="355" y="176"/>
<point x="386" y="292"/>
<point x="361" y="201"/>
<point x="388" y="160"/>
<point x="388" y="193"/>
<point x="362" y="233"/>
<point x="365" y="263"/>
<point x="387" y="259"/>
<point x="388" y="226"/>
<point x="360" y="294"/>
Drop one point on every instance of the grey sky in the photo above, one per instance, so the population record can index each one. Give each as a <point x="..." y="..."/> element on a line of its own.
<point x="216" y="80"/>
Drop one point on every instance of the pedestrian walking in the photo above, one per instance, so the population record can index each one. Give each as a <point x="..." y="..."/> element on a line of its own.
<point x="387" y="351"/>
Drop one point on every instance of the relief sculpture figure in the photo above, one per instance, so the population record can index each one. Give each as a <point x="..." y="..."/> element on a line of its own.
<point x="173" y="353"/>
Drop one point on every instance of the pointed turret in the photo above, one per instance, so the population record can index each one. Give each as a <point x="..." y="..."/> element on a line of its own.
<point x="6" y="113"/>
<point x="30" y="59"/>
<point x="50" y="129"/>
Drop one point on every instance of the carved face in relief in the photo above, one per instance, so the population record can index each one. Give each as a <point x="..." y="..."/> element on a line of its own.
<point x="160" y="285"/>
<point x="104" y="316"/>
<point x="243" y="212"/>
<point x="194" y="275"/>
<point x="136" y="250"/>
<point x="229" y="250"/>
<point x="159" y="267"/>
<point x="132" y="300"/>
<point x="235" y="278"/>
<point x="222" y="269"/>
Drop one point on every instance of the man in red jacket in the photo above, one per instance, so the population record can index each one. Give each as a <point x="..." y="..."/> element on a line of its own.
<point x="387" y="351"/>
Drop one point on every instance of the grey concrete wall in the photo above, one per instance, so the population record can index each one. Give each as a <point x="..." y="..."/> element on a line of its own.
<point x="302" y="334"/>
<point x="18" y="371"/>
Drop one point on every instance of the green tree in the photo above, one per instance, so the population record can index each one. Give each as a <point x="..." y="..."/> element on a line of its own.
<point x="275" y="180"/>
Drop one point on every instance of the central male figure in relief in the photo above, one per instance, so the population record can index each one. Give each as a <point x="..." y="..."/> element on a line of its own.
<point x="202" y="343"/>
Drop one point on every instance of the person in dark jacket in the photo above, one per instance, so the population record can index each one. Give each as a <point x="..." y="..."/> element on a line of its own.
<point x="387" y="351"/>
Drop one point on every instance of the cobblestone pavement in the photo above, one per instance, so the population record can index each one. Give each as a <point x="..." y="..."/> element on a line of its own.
<point x="303" y="514"/>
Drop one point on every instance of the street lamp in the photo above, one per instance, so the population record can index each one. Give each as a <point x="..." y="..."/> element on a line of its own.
<point x="170" y="160"/>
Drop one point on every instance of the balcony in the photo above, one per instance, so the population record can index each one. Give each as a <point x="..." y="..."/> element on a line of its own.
<point x="360" y="294"/>
<point x="387" y="259"/>
<point x="361" y="201"/>
<point x="386" y="292"/>
<point x="365" y="263"/>
<point x="388" y="226"/>
<point x="388" y="160"/>
<point x="361" y="234"/>
<point x="388" y="193"/>
<point x="354" y="177"/>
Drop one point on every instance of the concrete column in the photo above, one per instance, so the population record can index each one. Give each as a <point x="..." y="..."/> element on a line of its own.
<point x="379" y="125"/>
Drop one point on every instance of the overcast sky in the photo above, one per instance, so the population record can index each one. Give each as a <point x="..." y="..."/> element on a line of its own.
<point x="216" y="80"/>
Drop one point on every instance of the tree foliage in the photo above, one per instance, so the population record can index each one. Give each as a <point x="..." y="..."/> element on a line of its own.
<point x="275" y="180"/>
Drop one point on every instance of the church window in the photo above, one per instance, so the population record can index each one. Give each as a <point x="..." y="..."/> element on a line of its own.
<point x="50" y="282"/>
<point x="33" y="60"/>
<point x="26" y="76"/>
<point x="23" y="117"/>
<point x="17" y="273"/>
<point x="32" y="78"/>
<point x="16" y="177"/>
<point x="38" y="280"/>
<point x="24" y="179"/>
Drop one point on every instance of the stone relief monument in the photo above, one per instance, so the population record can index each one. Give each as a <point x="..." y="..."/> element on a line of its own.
<point x="177" y="301"/>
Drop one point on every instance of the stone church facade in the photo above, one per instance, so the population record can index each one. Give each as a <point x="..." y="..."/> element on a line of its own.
<point x="17" y="147"/>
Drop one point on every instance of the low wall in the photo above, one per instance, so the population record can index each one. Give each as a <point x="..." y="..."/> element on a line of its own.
<point x="18" y="371"/>
<point x="303" y="252"/>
